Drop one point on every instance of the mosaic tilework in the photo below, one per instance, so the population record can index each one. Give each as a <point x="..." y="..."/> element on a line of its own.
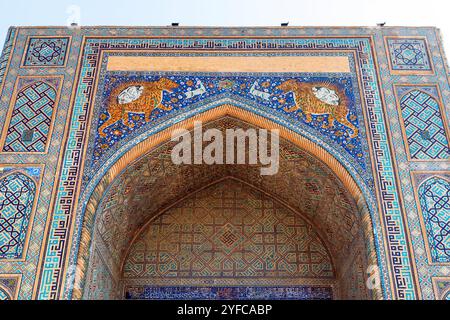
<point x="354" y="286"/>
<point x="6" y="54"/>
<point x="423" y="125"/>
<point x="17" y="194"/>
<point x="28" y="264"/>
<point x="192" y="90"/>
<point x="229" y="293"/>
<point x="441" y="288"/>
<point x="101" y="285"/>
<point x="125" y="208"/>
<point x="408" y="54"/>
<point x="373" y="104"/>
<point x="424" y="271"/>
<point x="4" y="295"/>
<point x="434" y="197"/>
<point x="8" y="287"/>
<point x="46" y="52"/>
<point x="31" y="118"/>
<point x="228" y="231"/>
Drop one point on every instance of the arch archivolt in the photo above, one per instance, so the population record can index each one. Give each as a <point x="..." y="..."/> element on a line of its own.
<point x="332" y="191"/>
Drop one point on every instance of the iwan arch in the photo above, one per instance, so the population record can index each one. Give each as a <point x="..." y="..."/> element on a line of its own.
<point x="354" y="210"/>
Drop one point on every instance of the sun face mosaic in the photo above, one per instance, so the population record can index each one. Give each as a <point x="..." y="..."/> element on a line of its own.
<point x="131" y="104"/>
<point x="80" y="105"/>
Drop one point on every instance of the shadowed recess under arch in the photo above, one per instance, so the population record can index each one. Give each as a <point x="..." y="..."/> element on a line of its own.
<point x="170" y="182"/>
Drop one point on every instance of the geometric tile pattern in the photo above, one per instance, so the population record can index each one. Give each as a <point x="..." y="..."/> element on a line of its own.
<point x="228" y="231"/>
<point x="354" y="284"/>
<point x="229" y="293"/>
<point x="125" y="208"/>
<point x="314" y="184"/>
<point x="4" y="295"/>
<point x="408" y="54"/>
<point x="101" y="285"/>
<point x="46" y="277"/>
<point x="31" y="119"/>
<point x="51" y="284"/>
<point x="212" y="87"/>
<point x="8" y="287"/>
<point x="6" y="54"/>
<point x="441" y="288"/>
<point x="17" y="192"/>
<point x="424" y="127"/>
<point x="434" y="197"/>
<point x="48" y="52"/>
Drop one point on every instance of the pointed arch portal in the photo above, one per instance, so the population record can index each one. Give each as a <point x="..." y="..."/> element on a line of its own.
<point x="323" y="94"/>
<point x="151" y="229"/>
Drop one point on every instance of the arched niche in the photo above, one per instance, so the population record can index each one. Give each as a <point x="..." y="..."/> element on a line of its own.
<point x="31" y="119"/>
<point x="359" y="245"/>
<point x="17" y="197"/>
<point x="434" y="199"/>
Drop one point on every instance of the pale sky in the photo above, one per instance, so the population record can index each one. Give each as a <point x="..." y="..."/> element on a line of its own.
<point x="229" y="13"/>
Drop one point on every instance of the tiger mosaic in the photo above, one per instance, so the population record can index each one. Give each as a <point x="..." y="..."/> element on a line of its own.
<point x="377" y="118"/>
